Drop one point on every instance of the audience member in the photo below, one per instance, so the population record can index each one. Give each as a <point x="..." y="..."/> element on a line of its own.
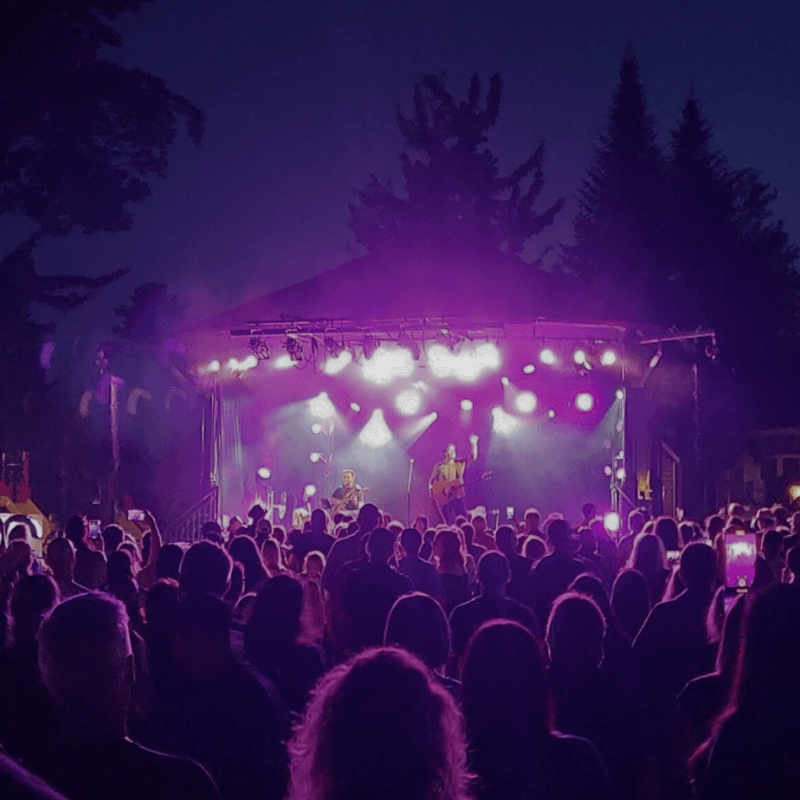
<point x="205" y="569"/>
<point x="317" y="538"/>
<point x="506" y="542"/>
<point x="423" y="575"/>
<point x="60" y="560"/>
<point x="244" y="550"/>
<point x="168" y="562"/>
<point x="648" y="558"/>
<point x="90" y="564"/>
<point x="451" y="566"/>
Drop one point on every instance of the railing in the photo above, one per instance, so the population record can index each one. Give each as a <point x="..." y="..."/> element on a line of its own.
<point x="187" y="528"/>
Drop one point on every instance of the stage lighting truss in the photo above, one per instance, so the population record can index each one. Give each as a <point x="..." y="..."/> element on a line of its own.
<point x="369" y="345"/>
<point x="335" y="348"/>
<point x="447" y="339"/>
<point x="259" y="348"/>
<point x="404" y="340"/>
<point x="294" y="348"/>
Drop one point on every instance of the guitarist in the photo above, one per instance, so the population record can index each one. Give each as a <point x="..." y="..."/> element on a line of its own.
<point x="349" y="496"/>
<point x="453" y="468"/>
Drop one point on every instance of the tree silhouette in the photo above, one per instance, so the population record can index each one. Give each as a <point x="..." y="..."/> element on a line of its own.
<point x="454" y="198"/>
<point x="620" y="205"/>
<point x="151" y="316"/>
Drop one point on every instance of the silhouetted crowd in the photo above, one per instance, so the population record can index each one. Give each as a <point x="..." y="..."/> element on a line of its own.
<point x="356" y="659"/>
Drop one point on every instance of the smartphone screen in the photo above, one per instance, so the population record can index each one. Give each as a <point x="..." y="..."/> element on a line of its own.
<point x="740" y="560"/>
<point x="510" y="512"/>
<point x="95" y="528"/>
<point x="136" y="515"/>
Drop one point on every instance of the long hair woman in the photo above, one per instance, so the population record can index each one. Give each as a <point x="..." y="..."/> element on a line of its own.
<point x="379" y="728"/>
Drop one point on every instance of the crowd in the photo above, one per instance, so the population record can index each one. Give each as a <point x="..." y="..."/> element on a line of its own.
<point x="356" y="658"/>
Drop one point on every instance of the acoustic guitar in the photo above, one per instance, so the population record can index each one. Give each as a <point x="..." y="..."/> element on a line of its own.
<point x="444" y="491"/>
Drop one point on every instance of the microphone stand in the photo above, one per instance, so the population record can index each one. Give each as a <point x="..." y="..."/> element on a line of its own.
<point x="408" y="491"/>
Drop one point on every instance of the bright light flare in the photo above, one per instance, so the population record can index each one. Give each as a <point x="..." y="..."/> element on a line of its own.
<point x="579" y="357"/>
<point x="794" y="492"/>
<point x="584" y="401"/>
<point x="502" y="422"/>
<point x="283" y="362"/>
<point x="551" y="414"/>
<point x="619" y="394"/>
<point x="529" y="369"/>
<point x="547" y="356"/>
<point x="608" y="358"/>
<point x="612" y="522"/>
<point x="264" y="473"/>
<point x="321" y="406"/>
<point x="211" y="368"/>
<point x="355" y="407"/>
<point x="333" y="366"/>
<point x="525" y="402"/>
<point x="314" y="457"/>
<point x="376" y="432"/>
<point x="467" y="405"/>
<point x="620" y="474"/>
<point x="408" y="402"/>
<point x="249" y="362"/>
<point x="386" y="365"/>
<point x="316" y="428"/>
<point x="310" y="490"/>
<point x="466" y="366"/>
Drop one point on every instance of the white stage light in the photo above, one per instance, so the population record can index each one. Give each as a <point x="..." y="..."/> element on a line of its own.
<point x="621" y="474"/>
<point x="355" y="407"/>
<point x="314" y="457"/>
<point x="551" y="414"/>
<point x="607" y="471"/>
<point x="376" y="432"/>
<point x="212" y="367"/>
<point x="386" y="365"/>
<point x="547" y="356"/>
<point x="321" y="406"/>
<point x="316" y="428"/>
<point x="608" y="358"/>
<point x="584" y="402"/>
<point x="529" y="369"/>
<point x="579" y="356"/>
<point x="503" y="422"/>
<point x="310" y="490"/>
<point x="408" y="402"/>
<point x="467" y="405"/>
<point x="333" y="366"/>
<point x="612" y="522"/>
<point x="264" y="473"/>
<point x="283" y="362"/>
<point x="504" y="380"/>
<point x="466" y="366"/>
<point x="525" y="402"/>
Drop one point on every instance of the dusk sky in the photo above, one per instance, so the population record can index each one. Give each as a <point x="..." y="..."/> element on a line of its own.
<point x="299" y="100"/>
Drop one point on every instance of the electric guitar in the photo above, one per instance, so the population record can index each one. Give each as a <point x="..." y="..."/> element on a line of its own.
<point x="443" y="492"/>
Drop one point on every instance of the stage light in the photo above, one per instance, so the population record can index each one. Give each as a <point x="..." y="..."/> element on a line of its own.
<point x="547" y="356"/>
<point x="370" y="345"/>
<point x="234" y="365"/>
<point x="316" y="428"/>
<point x="579" y="357"/>
<point x="608" y="358"/>
<point x="260" y="348"/>
<point x="529" y="369"/>
<point x="376" y="432"/>
<point x="504" y="380"/>
<point x="612" y="522"/>
<point x="310" y="490"/>
<point x="314" y="457"/>
<point x="335" y="364"/>
<point x="264" y="473"/>
<point x="467" y="405"/>
<point x="656" y="358"/>
<point x="386" y="365"/>
<point x="584" y="402"/>
<point x="466" y="366"/>
<point x="525" y="402"/>
<point x="607" y="471"/>
<point x="321" y="406"/>
<point x="355" y="407"/>
<point x="408" y="402"/>
<point x="334" y="348"/>
<point x="294" y="348"/>
<point x="503" y="422"/>
<point x="794" y="492"/>
<point x="283" y="362"/>
<point x="551" y="414"/>
<point x="446" y="339"/>
<point x="404" y="340"/>
<point x="619" y="394"/>
<point x="620" y="474"/>
<point x="214" y="366"/>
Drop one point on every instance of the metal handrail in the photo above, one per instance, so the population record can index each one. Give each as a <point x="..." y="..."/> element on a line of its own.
<point x="188" y="527"/>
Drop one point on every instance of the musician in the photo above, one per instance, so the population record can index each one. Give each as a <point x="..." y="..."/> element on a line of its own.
<point x="453" y="468"/>
<point x="349" y="496"/>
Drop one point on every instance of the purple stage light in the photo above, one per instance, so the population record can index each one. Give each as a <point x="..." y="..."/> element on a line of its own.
<point x="408" y="402"/>
<point x="333" y="366"/>
<point x="376" y="432"/>
<point x="502" y="422"/>
<point x="525" y="402"/>
<point x="386" y="365"/>
<point x="584" y="402"/>
<point x="547" y="356"/>
<point x="321" y="406"/>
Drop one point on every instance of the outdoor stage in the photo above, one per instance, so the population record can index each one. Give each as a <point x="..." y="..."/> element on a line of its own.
<point x="296" y="403"/>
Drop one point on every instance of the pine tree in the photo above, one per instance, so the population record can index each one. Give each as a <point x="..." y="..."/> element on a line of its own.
<point x="619" y="207"/>
<point x="454" y="198"/>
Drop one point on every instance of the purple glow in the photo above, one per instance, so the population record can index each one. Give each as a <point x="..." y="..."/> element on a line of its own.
<point x="502" y="422"/>
<point x="408" y="402"/>
<point x="333" y="366"/>
<point x="525" y="402"/>
<point x="584" y="402"/>
<point x="608" y="358"/>
<point x="376" y="432"/>
<point x="547" y="356"/>
<point x="386" y="365"/>
<point x="321" y="406"/>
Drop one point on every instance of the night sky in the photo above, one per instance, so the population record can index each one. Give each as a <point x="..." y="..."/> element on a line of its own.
<point x="299" y="100"/>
